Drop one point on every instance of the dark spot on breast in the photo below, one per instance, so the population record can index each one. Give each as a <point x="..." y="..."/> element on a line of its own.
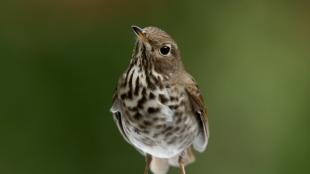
<point x="151" y="86"/>
<point x="168" y="134"/>
<point x="179" y="119"/>
<point x="151" y="96"/>
<point x="149" y="83"/>
<point x="155" y="119"/>
<point x="123" y="96"/>
<point x="147" y="123"/>
<point x="182" y="130"/>
<point x="172" y="141"/>
<point x="176" y="129"/>
<point x="185" y="118"/>
<point x="159" y="126"/>
<point x="137" y="86"/>
<point x="173" y="106"/>
<point x="178" y="113"/>
<point x="156" y="135"/>
<point x="167" y="129"/>
<point x="152" y="110"/>
<point x="141" y="102"/>
<point x="163" y="99"/>
<point x="146" y="131"/>
<point x="129" y="95"/>
<point x="141" y="126"/>
<point x="173" y="98"/>
<point x="133" y="109"/>
<point x="137" y="116"/>
<point x="144" y="92"/>
<point x="123" y="84"/>
<point x="137" y="131"/>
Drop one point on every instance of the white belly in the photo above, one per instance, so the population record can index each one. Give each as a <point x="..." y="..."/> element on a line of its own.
<point x="161" y="150"/>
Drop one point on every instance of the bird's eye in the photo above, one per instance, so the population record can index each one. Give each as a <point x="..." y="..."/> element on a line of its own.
<point x="165" y="50"/>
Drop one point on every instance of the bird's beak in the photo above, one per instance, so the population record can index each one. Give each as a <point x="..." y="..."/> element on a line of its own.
<point x="139" y="32"/>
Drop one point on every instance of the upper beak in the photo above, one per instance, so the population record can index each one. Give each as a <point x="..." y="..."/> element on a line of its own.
<point x="139" y="32"/>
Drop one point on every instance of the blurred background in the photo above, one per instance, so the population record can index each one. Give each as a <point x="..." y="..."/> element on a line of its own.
<point x="60" y="61"/>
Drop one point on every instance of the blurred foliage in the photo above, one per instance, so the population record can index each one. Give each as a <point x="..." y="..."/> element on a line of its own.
<point x="60" y="60"/>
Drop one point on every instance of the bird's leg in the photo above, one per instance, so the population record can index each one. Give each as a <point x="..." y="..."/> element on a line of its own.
<point x="181" y="163"/>
<point x="148" y="160"/>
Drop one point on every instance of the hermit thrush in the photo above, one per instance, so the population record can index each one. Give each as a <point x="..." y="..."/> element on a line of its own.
<point x="157" y="105"/>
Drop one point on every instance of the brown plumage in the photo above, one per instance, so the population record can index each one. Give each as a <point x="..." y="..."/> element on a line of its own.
<point x="157" y="106"/>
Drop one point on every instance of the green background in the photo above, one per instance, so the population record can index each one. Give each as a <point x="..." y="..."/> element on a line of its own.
<point x="60" y="61"/>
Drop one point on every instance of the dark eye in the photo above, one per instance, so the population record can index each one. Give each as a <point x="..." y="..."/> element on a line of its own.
<point x="165" y="50"/>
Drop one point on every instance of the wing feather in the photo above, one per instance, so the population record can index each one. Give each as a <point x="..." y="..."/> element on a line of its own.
<point x="198" y="107"/>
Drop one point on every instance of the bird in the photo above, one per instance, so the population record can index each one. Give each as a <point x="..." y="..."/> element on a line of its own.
<point x="157" y="105"/>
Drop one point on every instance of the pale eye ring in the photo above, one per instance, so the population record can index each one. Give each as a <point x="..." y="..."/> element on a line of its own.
<point x="165" y="49"/>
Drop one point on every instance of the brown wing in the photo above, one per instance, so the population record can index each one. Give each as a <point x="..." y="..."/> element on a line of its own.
<point x="198" y="107"/>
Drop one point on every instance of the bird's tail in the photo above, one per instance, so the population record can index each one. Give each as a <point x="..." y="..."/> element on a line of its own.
<point x="161" y="165"/>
